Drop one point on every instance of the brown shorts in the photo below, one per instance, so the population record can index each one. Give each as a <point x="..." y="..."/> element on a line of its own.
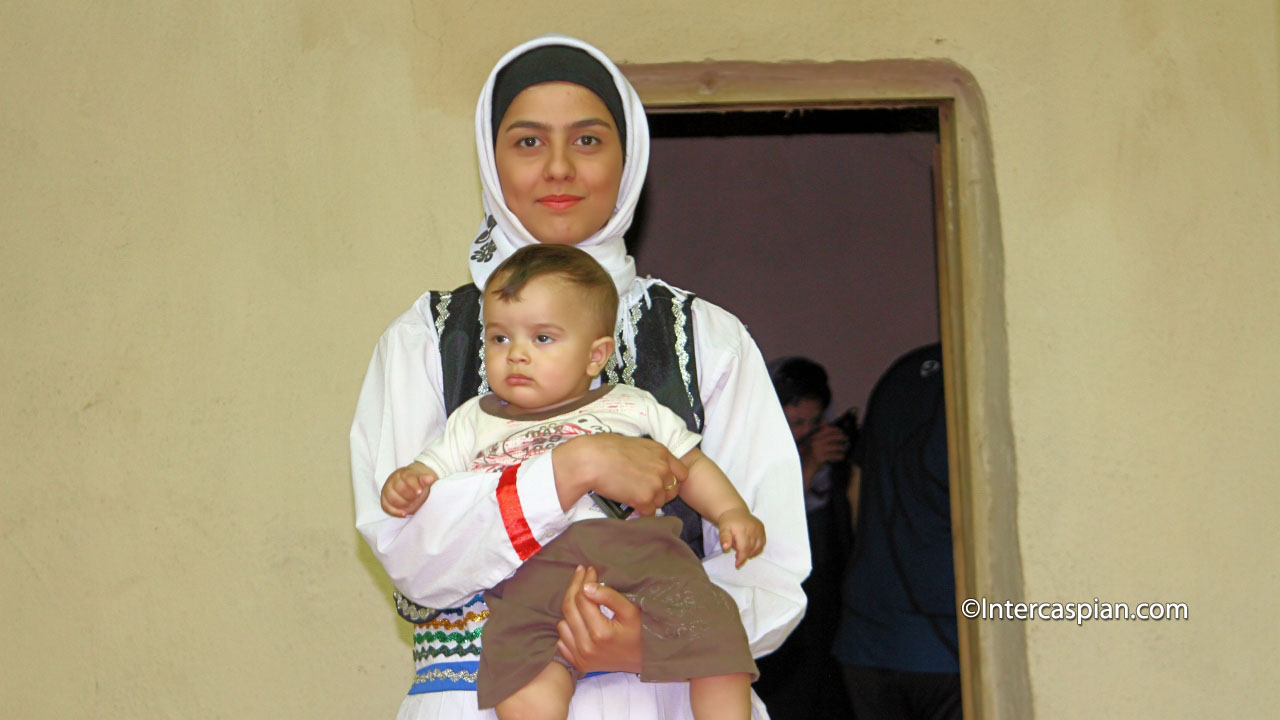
<point x="691" y="626"/>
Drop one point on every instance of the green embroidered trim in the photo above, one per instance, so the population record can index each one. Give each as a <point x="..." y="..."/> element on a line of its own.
<point x="443" y="637"/>
<point x="433" y="652"/>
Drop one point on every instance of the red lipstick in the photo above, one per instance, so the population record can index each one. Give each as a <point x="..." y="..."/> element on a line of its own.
<point x="559" y="202"/>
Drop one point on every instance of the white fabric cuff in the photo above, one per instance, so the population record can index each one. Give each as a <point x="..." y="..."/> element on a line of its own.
<point x="539" y="500"/>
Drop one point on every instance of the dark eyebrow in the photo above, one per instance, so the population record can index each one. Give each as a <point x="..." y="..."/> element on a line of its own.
<point x="591" y="122"/>
<point x="543" y="127"/>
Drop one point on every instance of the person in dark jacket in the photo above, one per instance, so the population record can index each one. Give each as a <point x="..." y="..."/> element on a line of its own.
<point x="897" y="638"/>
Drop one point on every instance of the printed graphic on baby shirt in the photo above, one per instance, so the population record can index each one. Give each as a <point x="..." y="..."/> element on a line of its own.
<point x="535" y="440"/>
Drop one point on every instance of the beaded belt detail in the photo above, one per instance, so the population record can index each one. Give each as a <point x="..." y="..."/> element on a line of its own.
<point x="446" y="648"/>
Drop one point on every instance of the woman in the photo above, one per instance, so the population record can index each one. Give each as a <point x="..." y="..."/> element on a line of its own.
<point x="563" y="145"/>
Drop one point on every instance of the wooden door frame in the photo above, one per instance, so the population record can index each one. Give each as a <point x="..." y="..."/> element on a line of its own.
<point x="993" y="656"/>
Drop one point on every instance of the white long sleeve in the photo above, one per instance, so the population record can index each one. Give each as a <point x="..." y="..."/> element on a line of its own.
<point x="746" y="434"/>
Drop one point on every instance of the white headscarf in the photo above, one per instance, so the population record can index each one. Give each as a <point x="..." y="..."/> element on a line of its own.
<point x="501" y="233"/>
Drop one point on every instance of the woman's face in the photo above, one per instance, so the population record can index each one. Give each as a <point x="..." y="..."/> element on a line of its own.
<point x="559" y="161"/>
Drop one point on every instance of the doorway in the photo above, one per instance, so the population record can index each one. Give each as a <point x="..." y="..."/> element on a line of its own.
<point x="970" y="312"/>
<point x="814" y="226"/>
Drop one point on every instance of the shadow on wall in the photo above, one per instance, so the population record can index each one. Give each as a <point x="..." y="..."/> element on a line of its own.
<point x="379" y="576"/>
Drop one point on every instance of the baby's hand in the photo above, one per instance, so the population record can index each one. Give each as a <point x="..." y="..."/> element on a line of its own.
<point x="741" y="531"/>
<point x="406" y="489"/>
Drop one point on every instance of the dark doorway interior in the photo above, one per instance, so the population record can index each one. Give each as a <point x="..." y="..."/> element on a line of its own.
<point x="814" y="226"/>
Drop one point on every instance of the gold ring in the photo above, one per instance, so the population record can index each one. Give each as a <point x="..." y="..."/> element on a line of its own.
<point x="674" y="483"/>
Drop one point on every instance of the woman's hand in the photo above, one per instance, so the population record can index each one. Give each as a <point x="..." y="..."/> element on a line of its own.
<point x="592" y="642"/>
<point x="633" y="471"/>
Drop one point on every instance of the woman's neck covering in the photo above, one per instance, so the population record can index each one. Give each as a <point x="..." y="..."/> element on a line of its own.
<point x="556" y="63"/>
<point x="501" y="233"/>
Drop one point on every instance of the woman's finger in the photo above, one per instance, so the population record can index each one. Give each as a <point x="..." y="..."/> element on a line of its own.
<point x="599" y="628"/>
<point x="563" y="648"/>
<point x="578" y="635"/>
<point x="596" y="623"/>
<point x="677" y="468"/>
<point x="679" y="473"/>
<point x="623" y="609"/>
<point x="567" y="605"/>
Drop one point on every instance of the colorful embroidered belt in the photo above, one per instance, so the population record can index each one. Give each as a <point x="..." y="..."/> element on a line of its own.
<point x="446" y="648"/>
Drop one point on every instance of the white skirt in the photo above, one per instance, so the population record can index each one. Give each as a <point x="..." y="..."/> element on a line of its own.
<point x="615" y="696"/>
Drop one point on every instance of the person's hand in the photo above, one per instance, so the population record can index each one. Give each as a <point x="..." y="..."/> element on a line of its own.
<point x="741" y="531"/>
<point x="638" y="472"/>
<point x="592" y="642"/>
<point x="827" y="444"/>
<point x="406" y="489"/>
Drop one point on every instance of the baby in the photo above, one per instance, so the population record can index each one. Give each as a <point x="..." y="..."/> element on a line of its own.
<point x="548" y="321"/>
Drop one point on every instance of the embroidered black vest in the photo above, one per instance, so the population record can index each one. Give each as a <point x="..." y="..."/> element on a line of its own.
<point x="663" y="363"/>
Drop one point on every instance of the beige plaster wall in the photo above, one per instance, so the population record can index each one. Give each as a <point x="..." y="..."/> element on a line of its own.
<point x="209" y="211"/>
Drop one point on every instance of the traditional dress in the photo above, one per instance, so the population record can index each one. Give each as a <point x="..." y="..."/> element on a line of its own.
<point x="478" y="528"/>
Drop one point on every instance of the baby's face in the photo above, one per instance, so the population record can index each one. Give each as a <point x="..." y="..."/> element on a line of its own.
<point x="538" y="347"/>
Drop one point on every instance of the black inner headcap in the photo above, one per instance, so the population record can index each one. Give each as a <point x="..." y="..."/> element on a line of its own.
<point x="556" y="63"/>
